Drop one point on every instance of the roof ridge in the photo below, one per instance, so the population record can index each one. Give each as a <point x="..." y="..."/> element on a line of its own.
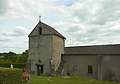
<point x="92" y="45"/>
<point x="53" y="30"/>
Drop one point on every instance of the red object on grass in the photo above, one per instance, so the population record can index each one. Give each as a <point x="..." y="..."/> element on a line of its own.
<point x="25" y="76"/>
<point x="24" y="69"/>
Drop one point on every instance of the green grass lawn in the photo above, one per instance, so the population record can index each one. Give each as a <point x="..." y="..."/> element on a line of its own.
<point x="63" y="80"/>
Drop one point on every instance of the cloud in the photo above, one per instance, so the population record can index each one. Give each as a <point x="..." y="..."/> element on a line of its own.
<point x="3" y="7"/>
<point x="14" y="40"/>
<point x="92" y="22"/>
<point x="82" y="22"/>
<point x="97" y="12"/>
<point x="67" y="2"/>
<point x="4" y="39"/>
<point x="19" y="31"/>
<point x="105" y="14"/>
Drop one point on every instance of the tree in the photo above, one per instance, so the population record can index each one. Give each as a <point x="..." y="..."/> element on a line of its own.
<point x="13" y="57"/>
<point x="23" y="57"/>
<point x="10" y="57"/>
<point x="25" y="53"/>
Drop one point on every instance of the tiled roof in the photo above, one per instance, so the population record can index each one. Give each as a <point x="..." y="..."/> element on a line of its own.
<point x="52" y="30"/>
<point x="94" y="49"/>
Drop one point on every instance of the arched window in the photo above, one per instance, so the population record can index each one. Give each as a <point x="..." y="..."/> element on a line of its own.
<point x="90" y="69"/>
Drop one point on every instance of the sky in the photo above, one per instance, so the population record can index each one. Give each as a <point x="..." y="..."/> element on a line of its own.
<point x="82" y="22"/>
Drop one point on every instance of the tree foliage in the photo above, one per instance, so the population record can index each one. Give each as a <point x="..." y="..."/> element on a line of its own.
<point x="13" y="57"/>
<point x="10" y="57"/>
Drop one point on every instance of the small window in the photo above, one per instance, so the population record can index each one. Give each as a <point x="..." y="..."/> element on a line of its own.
<point x="40" y="31"/>
<point x="90" y="69"/>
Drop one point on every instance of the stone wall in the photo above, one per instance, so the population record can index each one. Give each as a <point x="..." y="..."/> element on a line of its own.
<point x="78" y="65"/>
<point x="111" y="69"/>
<point x="58" y="50"/>
<point x="40" y="49"/>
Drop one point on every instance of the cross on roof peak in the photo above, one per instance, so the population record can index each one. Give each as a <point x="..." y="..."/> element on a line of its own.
<point x="40" y="18"/>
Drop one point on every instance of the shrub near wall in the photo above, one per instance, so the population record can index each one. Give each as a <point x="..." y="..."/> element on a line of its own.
<point x="19" y="65"/>
<point x="15" y="65"/>
<point x="10" y="76"/>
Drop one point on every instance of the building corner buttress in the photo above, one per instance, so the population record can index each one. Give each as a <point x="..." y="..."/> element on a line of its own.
<point x="100" y="67"/>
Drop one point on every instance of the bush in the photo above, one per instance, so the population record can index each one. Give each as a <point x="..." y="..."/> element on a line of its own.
<point x="15" y="65"/>
<point x="10" y="76"/>
<point x="19" y="65"/>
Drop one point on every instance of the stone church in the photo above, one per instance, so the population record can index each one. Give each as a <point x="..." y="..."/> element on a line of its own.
<point x="48" y="55"/>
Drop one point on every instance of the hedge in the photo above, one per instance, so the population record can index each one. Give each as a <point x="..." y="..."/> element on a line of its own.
<point x="10" y="76"/>
<point x="15" y="65"/>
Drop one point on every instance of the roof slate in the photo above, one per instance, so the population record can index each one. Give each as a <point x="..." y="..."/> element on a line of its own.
<point x="94" y="49"/>
<point x="52" y="30"/>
